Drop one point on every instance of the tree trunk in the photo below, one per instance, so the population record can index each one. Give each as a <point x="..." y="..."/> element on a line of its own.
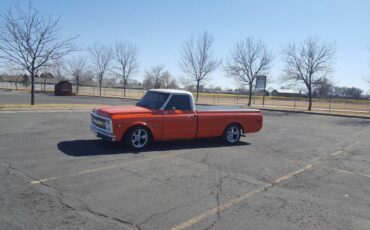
<point x="77" y="85"/>
<point x="309" y="99"/>
<point x="100" y="87"/>
<point x="44" y="84"/>
<point x="250" y="95"/>
<point x="197" y="92"/>
<point x="32" y="88"/>
<point x="124" y="88"/>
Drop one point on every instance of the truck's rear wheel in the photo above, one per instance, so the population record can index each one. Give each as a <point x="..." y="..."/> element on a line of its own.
<point x="137" y="138"/>
<point x="232" y="134"/>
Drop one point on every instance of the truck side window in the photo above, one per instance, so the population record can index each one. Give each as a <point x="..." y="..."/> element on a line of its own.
<point x="179" y="102"/>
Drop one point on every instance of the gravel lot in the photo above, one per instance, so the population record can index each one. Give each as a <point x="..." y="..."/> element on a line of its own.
<point x="300" y="172"/>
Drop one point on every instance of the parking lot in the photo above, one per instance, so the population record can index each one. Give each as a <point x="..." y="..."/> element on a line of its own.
<point x="300" y="172"/>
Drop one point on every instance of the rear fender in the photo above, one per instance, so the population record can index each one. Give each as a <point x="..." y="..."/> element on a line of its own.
<point x="240" y="123"/>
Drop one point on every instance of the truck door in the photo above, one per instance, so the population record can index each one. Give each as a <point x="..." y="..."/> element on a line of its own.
<point x="179" y="120"/>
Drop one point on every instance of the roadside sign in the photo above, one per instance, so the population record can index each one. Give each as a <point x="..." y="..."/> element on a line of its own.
<point x="261" y="82"/>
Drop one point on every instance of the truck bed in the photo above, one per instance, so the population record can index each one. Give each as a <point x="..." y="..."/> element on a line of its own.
<point x="212" y="120"/>
<point x="223" y="108"/>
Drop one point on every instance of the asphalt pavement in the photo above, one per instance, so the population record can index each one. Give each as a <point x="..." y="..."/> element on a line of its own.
<point x="299" y="172"/>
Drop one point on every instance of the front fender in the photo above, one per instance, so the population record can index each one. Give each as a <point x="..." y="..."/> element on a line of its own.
<point x="122" y="130"/>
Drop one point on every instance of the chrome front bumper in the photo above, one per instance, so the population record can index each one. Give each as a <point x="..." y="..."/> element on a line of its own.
<point x="102" y="133"/>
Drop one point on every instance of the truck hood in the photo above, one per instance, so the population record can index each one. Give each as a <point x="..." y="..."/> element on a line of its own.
<point x="114" y="110"/>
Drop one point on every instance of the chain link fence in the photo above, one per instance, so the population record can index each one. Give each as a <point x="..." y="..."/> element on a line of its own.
<point x="325" y="105"/>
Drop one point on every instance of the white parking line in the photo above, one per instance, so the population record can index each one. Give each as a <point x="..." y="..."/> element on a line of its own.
<point x="347" y="172"/>
<point x="190" y="222"/>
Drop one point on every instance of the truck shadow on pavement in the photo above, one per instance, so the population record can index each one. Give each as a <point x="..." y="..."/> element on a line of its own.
<point x="79" y="148"/>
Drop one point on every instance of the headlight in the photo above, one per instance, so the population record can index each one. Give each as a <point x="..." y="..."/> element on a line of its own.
<point x="108" y="125"/>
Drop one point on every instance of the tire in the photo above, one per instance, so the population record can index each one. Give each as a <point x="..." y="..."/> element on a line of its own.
<point x="232" y="134"/>
<point x="137" y="138"/>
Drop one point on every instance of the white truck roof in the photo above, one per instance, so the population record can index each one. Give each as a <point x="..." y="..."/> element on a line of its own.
<point x="171" y="91"/>
<point x="202" y="107"/>
<point x="176" y="92"/>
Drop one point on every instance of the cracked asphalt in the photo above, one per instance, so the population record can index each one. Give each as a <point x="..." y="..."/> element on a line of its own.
<point x="300" y="172"/>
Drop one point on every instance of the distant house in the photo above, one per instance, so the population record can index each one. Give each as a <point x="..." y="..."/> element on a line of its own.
<point x="286" y="93"/>
<point x="136" y="86"/>
<point x="13" y="78"/>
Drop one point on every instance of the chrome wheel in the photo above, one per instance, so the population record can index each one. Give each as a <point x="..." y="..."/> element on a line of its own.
<point x="139" y="138"/>
<point x="233" y="134"/>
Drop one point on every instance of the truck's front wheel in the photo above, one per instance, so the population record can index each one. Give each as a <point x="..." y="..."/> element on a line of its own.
<point x="232" y="134"/>
<point x="137" y="138"/>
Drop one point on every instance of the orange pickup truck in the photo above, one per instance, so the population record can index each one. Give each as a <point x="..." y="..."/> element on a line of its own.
<point x="165" y="114"/>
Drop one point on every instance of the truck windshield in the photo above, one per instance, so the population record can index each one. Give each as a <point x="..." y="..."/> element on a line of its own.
<point x="153" y="100"/>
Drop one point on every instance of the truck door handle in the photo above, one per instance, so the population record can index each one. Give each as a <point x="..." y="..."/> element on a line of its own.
<point x="192" y="115"/>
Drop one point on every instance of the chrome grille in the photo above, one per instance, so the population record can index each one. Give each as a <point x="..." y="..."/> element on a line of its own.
<point x="97" y="121"/>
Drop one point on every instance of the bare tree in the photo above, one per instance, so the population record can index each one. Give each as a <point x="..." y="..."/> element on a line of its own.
<point x="197" y="60"/>
<point x="101" y="58"/>
<point x="367" y="80"/>
<point x="30" y="41"/>
<point x="16" y="76"/>
<point x="169" y="82"/>
<point x="77" y="69"/>
<point x="58" y="69"/>
<point x="125" y="56"/>
<point x="323" y="88"/>
<point x="154" y="78"/>
<point x="308" y="63"/>
<point x="247" y="60"/>
<point x="87" y="78"/>
<point x="25" y="80"/>
<point x="187" y="83"/>
<point x="47" y="77"/>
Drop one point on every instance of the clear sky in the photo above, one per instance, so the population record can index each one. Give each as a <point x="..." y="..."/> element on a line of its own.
<point x="158" y="28"/>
